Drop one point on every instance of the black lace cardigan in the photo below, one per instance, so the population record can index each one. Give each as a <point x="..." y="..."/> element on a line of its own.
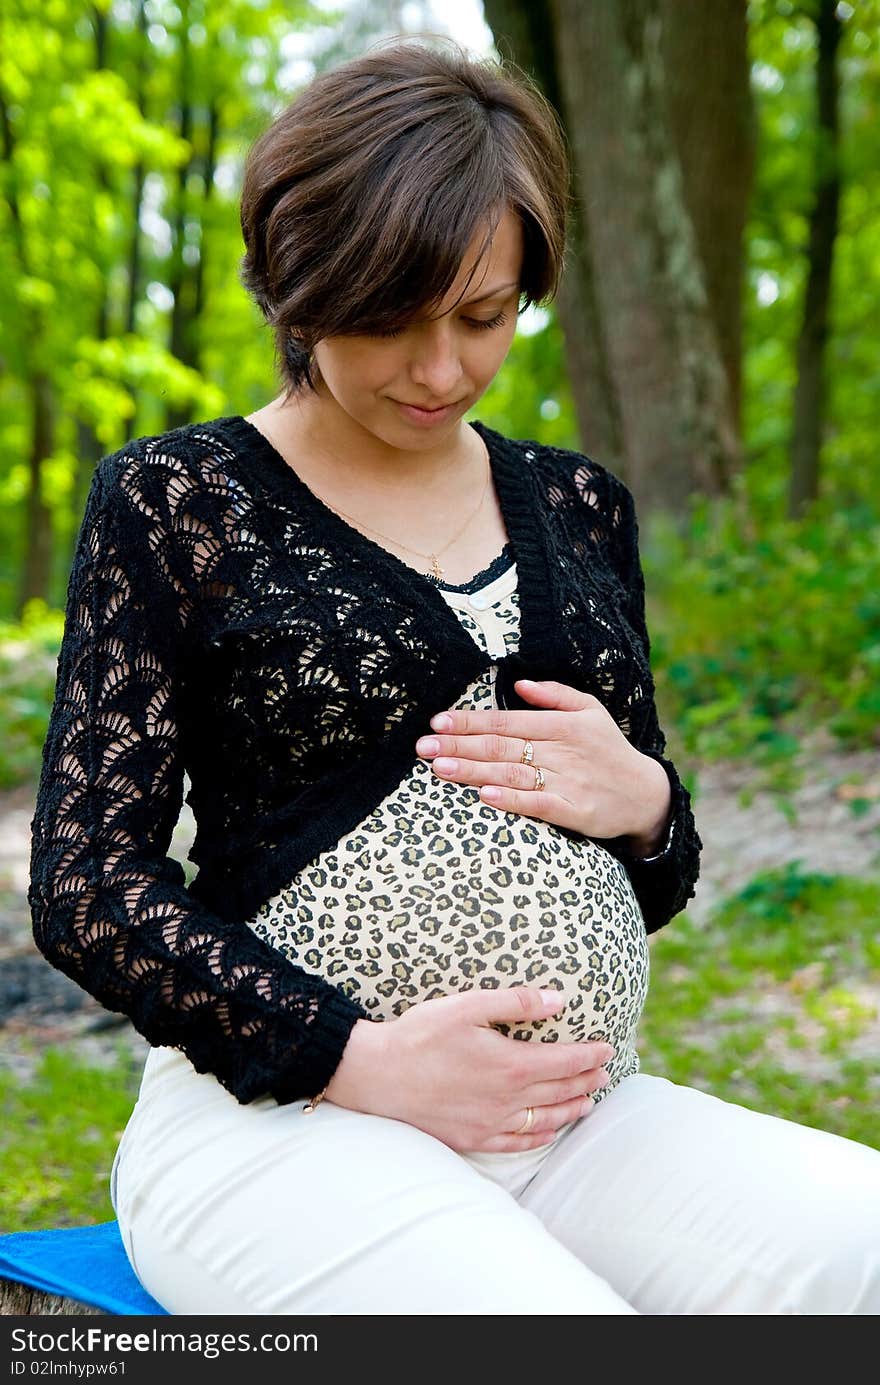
<point x="223" y="621"/>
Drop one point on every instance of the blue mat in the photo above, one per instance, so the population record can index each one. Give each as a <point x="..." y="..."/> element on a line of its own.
<point x="87" y="1263"/>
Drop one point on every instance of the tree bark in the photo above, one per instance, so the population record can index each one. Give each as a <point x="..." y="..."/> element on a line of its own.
<point x="678" y="428"/>
<point x="20" y="1300"/>
<point x="138" y="176"/>
<point x="209" y="166"/>
<point x="523" y="33"/>
<point x="36" y="562"/>
<point x="656" y="101"/>
<point x="180" y="279"/>
<point x="88" y="446"/>
<point x="809" y="397"/>
<point x="714" y="129"/>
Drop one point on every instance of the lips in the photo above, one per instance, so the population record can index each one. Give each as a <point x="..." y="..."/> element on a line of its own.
<point x="421" y="417"/>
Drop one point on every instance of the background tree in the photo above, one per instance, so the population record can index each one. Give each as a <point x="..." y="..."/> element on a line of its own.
<point x="810" y="393"/>
<point x="111" y="125"/>
<point x="656" y="100"/>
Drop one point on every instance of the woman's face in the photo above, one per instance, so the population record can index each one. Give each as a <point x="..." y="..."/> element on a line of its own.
<point x="449" y="359"/>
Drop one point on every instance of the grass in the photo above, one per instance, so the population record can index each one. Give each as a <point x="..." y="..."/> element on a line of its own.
<point x="772" y="1005"/>
<point x="58" y="1139"/>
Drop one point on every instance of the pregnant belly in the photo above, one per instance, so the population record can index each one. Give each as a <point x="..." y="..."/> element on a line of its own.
<point x="431" y="898"/>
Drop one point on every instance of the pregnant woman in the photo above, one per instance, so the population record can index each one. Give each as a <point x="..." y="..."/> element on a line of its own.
<point x="403" y="661"/>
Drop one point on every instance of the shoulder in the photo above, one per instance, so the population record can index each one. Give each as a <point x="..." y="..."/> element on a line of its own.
<point x="154" y="468"/>
<point x="153" y="501"/>
<point x="154" y="458"/>
<point x="571" y="480"/>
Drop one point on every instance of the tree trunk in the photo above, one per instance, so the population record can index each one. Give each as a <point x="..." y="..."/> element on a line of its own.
<point x="137" y="194"/>
<point x="19" y="1300"/>
<point x="809" y="398"/>
<point x="129" y="323"/>
<point x="656" y="101"/>
<point x="677" y="425"/>
<point x="523" y="32"/>
<point x="714" y="128"/>
<point x="88" y="447"/>
<point x="36" y="566"/>
<point x="180" y="279"/>
<point x="209" y="167"/>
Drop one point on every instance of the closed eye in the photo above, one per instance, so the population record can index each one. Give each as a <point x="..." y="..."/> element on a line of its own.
<point x="477" y="324"/>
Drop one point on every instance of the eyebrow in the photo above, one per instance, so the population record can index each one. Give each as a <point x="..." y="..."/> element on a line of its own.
<point x="493" y="293"/>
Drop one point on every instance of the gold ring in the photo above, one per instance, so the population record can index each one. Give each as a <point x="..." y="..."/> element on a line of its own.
<point x="527" y="1123"/>
<point x="539" y="777"/>
<point x="528" y="753"/>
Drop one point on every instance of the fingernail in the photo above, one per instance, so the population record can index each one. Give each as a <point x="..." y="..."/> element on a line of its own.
<point x="442" y="722"/>
<point x="428" y="745"/>
<point x="587" y="1106"/>
<point x="552" y="999"/>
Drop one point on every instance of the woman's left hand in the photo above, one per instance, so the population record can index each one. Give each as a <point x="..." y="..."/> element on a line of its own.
<point x="596" y="782"/>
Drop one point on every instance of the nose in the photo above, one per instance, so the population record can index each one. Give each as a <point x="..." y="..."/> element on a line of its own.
<point x="435" y="364"/>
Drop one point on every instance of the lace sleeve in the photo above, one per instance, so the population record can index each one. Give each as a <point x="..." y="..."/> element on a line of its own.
<point x="663" y="883"/>
<point x="109" y="906"/>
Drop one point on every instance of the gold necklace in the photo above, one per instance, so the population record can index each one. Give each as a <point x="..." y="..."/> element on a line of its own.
<point x="437" y="572"/>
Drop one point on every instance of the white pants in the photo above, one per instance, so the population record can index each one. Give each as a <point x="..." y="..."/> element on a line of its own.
<point x="663" y="1200"/>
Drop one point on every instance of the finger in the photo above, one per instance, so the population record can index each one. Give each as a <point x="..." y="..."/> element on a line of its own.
<point x="543" y="1062"/>
<point x="483" y="1006"/>
<point x="528" y="803"/>
<point x="549" y="1118"/>
<point x="518" y="777"/>
<point x="533" y="1063"/>
<point x="548" y="1121"/>
<point x="496" y="721"/>
<point x="490" y="748"/>
<point x="511" y="787"/>
<point x="550" y="694"/>
<point x="565" y="1088"/>
<point x="529" y="1063"/>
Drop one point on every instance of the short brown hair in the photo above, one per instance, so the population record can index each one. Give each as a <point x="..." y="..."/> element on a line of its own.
<point x="360" y="199"/>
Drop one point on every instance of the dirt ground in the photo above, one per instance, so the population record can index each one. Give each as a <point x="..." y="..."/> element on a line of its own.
<point x="40" y="1007"/>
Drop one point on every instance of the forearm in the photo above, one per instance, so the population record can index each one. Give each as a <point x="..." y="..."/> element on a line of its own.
<point x="110" y="908"/>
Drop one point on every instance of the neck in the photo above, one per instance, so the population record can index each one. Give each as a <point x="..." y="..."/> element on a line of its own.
<point x="315" y="427"/>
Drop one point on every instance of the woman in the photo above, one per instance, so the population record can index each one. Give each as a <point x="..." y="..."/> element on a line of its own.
<point x="397" y="1008"/>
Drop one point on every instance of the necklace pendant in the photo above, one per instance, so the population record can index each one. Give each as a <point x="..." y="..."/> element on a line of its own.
<point x="436" y="569"/>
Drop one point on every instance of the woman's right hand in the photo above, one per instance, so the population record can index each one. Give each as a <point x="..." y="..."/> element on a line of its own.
<point x="441" y="1067"/>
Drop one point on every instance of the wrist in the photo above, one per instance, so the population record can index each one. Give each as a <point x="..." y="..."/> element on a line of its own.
<point x="650" y="837"/>
<point x="361" y="1058"/>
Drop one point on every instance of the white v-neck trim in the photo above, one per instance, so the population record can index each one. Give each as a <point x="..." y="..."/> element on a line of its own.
<point x="488" y="594"/>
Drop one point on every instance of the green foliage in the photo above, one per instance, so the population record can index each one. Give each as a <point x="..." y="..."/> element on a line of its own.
<point x="28" y="658"/>
<point x="774" y="1004"/>
<point x="782" y="43"/>
<point x="763" y="627"/>
<point x="96" y="354"/>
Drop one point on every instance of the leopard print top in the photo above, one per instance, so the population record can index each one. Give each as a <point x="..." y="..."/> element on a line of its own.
<point x="436" y="892"/>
